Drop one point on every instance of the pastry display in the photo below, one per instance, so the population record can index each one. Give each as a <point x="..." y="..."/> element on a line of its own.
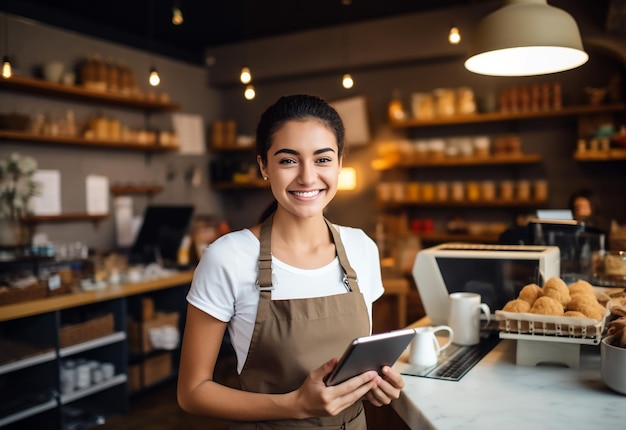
<point x="546" y="305"/>
<point x="530" y="293"/>
<point x="557" y="310"/>
<point x="517" y="305"/>
<point x="588" y="305"/>
<point x="557" y="289"/>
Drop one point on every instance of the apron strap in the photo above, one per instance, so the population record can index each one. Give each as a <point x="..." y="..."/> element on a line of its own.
<point x="265" y="257"/>
<point x="350" y="279"/>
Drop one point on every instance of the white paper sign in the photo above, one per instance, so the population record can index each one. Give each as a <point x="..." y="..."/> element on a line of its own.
<point x="48" y="202"/>
<point x="97" y="195"/>
<point x="354" y="113"/>
<point x="190" y="131"/>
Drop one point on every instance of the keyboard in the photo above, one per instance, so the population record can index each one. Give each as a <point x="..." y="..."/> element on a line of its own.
<point x="455" y="361"/>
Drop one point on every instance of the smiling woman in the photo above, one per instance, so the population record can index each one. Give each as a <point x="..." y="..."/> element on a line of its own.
<point x="287" y="291"/>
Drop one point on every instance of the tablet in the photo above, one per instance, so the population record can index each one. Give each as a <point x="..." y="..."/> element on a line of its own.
<point x="370" y="353"/>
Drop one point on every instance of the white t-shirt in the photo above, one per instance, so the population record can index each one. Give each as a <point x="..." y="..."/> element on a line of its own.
<point x="224" y="282"/>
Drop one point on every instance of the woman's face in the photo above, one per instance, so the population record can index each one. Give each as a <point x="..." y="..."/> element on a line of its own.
<point x="582" y="208"/>
<point x="303" y="167"/>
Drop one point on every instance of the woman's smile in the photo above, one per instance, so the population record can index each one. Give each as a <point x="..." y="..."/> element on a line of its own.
<point x="306" y="194"/>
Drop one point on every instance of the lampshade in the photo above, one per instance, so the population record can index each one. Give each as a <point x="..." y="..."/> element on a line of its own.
<point x="524" y="38"/>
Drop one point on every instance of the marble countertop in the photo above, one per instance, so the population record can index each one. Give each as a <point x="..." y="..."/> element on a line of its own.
<point x="497" y="393"/>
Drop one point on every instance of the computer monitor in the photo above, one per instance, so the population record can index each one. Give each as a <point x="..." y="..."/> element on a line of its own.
<point x="160" y="234"/>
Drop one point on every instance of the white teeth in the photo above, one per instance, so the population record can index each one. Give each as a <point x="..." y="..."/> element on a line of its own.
<point x="306" y="193"/>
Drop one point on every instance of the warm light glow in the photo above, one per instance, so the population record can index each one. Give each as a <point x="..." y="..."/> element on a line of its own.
<point x="347" y="179"/>
<point x="177" y="16"/>
<point x="525" y="38"/>
<point x="347" y="81"/>
<point x="249" y="93"/>
<point x="6" y="68"/>
<point x="454" y="37"/>
<point x="154" y="78"/>
<point x="526" y="61"/>
<point x="245" y="75"/>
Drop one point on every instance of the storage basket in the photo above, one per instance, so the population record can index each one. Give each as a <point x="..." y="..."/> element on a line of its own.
<point x="10" y="295"/>
<point x="139" y="333"/>
<point x="152" y="370"/>
<point x="157" y="368"/>
<point x="90" y="329"/>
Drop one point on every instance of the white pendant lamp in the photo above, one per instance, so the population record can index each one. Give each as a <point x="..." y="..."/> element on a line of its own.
<point x="524" y="38"/>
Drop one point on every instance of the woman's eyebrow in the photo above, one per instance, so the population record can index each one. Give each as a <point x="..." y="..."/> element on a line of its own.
<point x="292" y="152"/>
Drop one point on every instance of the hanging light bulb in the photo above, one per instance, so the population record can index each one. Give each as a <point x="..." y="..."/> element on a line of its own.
<point x="154" y="77"/>
<point x="347" y="81"/>
<point x="7" y="72"/>
<point x="245" y="77"/>
<point x="177" y="15"/>
<point x="6" y="67"/>
<point x="454" y="37"/>
<point x="249" y="93"/>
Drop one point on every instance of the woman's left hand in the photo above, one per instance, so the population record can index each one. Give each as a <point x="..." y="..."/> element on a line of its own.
<point x="388" y="389"/>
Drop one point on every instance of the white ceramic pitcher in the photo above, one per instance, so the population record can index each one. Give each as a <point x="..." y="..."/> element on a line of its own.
<point x="425" y="347"/>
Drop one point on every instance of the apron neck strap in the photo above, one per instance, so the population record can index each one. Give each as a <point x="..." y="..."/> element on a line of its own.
<point x="265" y="257"/>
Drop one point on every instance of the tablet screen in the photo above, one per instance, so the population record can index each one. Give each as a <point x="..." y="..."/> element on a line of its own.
<point x="370" y="353"/>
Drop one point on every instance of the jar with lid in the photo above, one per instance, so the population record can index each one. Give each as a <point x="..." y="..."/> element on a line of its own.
<point x="442" y="191"/>
<point x="488" y="190"/>
<point x="422" y="106"/>
<point x="428" y="192"/>
<point x="473" y="191"/>
<point x="506" y="190"/>
<point x="523" y="190"/>
<point x="541" y="190"/>
<point x="445" y="101"/>
<point x="465" y="102"/>
<point x="457" y="191"/>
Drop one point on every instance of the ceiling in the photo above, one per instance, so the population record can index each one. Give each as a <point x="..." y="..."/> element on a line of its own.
<point x="147" y="24"/>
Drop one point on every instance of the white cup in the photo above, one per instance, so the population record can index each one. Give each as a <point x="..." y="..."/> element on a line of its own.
<point x="464" y="317"/>
<point x="425" y="348"/>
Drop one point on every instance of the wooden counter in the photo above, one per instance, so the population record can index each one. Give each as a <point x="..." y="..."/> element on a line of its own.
<point x="35" y="307"/>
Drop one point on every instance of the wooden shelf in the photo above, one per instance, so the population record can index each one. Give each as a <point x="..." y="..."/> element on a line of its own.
<point x="468" y="204"/>
<point x="74" y="92"/>
<point x="441" y="237"/>
<point x="460" y="161"/>
<point x="78" y="141"/>
<point x="240" y="185"/>
<point x="232" y="148"/>
<point x="69" y="217"/>
<point x="611" y="155"/>
<point x="120" y="190"/>
<point x="499" y="117"/>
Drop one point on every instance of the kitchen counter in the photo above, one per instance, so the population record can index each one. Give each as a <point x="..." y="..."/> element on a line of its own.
<point x="497" y="393"/>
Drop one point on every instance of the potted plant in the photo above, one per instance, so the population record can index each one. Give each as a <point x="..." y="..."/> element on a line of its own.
<point x="17" y="187"/>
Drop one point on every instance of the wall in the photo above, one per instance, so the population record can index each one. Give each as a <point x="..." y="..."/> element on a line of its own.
<point x="32" y="44"/>
<point x="411" y="54"/>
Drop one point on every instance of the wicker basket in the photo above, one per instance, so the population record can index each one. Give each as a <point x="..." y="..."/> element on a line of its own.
<point x="10" y="295"/>
<point x="91" y="329"/>
<point x="139" y="333"/>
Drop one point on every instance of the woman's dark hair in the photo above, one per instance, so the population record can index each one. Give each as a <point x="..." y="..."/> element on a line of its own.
<point x="298" y="107"/>
<point x="582" y="193"/>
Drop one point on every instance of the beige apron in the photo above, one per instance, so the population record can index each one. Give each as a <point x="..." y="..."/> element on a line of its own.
<point x="293" y="337"/>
